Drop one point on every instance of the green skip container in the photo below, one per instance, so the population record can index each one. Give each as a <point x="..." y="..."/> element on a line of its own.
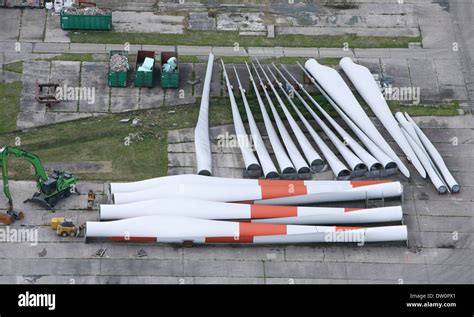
<point x="117" y="78"/>
<point x="86" y="22"/>
<point x="169" y="80"/>
<point x="144" y="78"/>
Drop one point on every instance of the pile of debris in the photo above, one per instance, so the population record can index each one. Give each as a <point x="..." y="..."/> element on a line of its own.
<point x="170" y="65"/>
<point x="86" y="11"/>
<point x="147" y="65"/>
<point x="118" y="63"/>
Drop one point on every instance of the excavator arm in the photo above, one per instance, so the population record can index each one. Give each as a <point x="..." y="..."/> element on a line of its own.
<point x="51" y="188"/>
<point x="40" y="173"/>
<point x="4" y="166"/>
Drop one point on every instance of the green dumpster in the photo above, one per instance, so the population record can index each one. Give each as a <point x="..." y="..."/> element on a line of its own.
<point x="118" y="68"/>
<point x="144" y="69"/>
<point x="86" y="19"/>
<point x="169" y="75"/>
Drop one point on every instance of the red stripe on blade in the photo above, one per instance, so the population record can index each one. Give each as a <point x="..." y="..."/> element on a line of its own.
<point x="278" y="182"/>
<point x="351" y="209"/>
<point x="260" y="229"/>
<point x="269" y="192"/>
<point x="369" y="182"/>
<point x="265" y="211"/>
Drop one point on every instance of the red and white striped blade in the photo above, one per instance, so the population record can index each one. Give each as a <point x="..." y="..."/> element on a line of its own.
<point x="178" y="229"/>
<point x="236" y="193"/>
<point x="229" y="211"/>
<point x="222" y="181"/>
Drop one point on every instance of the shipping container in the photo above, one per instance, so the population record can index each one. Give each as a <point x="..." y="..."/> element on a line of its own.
<point x="22" y="3"/>
<point x="86" y="21"/>
<point x="169" y="79"/>
<point x="118" y="78"/>
<point x="145" y="69"/>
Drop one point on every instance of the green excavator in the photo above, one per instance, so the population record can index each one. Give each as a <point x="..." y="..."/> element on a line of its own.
<point x="51" y="188"/>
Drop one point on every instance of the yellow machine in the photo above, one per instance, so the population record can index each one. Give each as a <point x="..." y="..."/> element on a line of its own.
<point x="90" y="200"/>
<point x="64" y="227"/>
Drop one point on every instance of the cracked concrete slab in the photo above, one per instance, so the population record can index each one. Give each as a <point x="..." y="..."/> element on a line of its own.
<point x="423" y="75"/>
<point x="398" y="70"/>
<point x="10" y="24"/>
<point x="123" y="99"/>
<point x="94" y="75"/>
<point x="147" y="22"/>
<point x="67" y="75"/>
<point x="53" y="32"/>
<point x="32" y="25"/>
<point x="151" y="98"/>
<point x="33" y="72"/>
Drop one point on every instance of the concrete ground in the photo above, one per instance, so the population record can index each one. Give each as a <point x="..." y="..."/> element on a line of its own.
<point x="442" y="69"/>
<point x="53" y="32"/>
<point x="10" y="24"/>
<point x="440" y="247"/>
<point x="32" y="25"/>
<point x="107" y="99"/>
<point x="147" y="22"/>
<point x="368" y="19"/>
<point x="406" y="72"/>
<point x="36" y="25"/>
<point x="462" y="21"/>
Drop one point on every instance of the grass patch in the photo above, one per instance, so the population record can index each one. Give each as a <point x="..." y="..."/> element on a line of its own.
<point x="236" y="59"/>
<point x="264" y="60"/>
<point x="226" y="38"/>
<point x="328" y="61"/>
<point x="102" y="139"/>
<point x="287" y="60"/>
<point x="190" y="59"/>
<point x="245" y="59"/>
<point x="445" y="109"/>
<point x="451" y="109"/>
<point x="73" y="57"/>
<point x="132" y="58"/>
<point x="9" y="106"/>
<point x="16" y="67"/>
